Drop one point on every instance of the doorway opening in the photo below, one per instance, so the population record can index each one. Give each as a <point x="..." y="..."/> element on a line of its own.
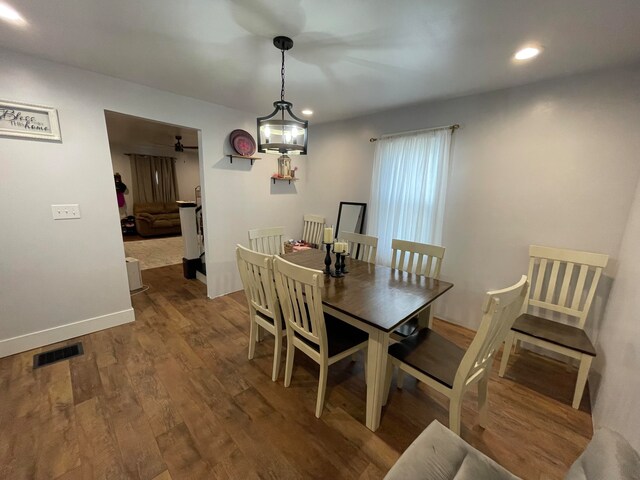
<point x="156" y="169"/>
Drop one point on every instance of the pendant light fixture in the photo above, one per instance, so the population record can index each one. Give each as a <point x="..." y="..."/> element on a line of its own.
<point x="281" y="131"/>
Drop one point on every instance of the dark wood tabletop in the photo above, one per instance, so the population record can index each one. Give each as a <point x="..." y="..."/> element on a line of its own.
<point x="380" y="296"/>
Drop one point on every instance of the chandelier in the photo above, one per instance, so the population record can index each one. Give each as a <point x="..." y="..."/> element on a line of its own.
<point x="282" y="132"/>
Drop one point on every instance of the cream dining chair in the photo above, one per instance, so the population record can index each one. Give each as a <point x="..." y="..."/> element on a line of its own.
<point x="313" y="230"/>
<point x="256" y="272"/>
<point x="321" y="337"/>
<point x="267" y="240"/>
<point x="450" y="370"/>
<point x="361" y="247"/>
<point x="568" y="288"/>
<point x="422" y="259"/>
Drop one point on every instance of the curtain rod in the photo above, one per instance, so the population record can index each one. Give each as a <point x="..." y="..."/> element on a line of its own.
<point x="453" y="127"/>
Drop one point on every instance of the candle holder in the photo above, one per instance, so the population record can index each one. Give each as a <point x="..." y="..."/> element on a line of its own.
<point x="338" y="272"/>
<point x="343" y="269"/>
<point x="327" y="259"/>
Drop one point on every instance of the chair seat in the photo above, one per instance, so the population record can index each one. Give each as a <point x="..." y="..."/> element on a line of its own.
<point x="431" y="354"/>
<point x="558" y="333"/>
<point x="269" y="319"/>
<point x="340" y="336"/>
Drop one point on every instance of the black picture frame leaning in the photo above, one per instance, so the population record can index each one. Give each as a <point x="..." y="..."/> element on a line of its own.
<point x="361" y="217"/>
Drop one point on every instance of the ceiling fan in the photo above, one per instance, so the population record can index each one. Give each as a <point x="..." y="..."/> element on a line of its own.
<point x="179" y="147"/>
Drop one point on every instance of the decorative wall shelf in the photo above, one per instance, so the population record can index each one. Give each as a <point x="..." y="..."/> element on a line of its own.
<point x="246" y="157"/>
<point x="291" y="179"/>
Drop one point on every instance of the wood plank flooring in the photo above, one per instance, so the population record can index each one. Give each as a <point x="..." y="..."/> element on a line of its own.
<point x="173" y="396"/>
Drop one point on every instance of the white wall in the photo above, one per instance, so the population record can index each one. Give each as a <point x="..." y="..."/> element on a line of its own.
<point x="615" y="384"/>
<point x="53" y="274"/>
<point x="553" y="163"/>
<point x="187" y="174"/>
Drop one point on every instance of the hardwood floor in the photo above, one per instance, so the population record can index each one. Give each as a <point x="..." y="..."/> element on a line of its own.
<point x="173" y="396"/>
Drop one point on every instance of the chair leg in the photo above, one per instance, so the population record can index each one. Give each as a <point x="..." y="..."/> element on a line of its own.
<point x="387" y="381"/>
<point x="277" y="356"/>
<point x="288" y="368"/>
<point x="455" y="412"/>
<point x="322" y="388"/>
<point x="431" y="318"/>
<point x="365" y="366"/>
<point x="583" y="372"/>
<point x="260" y="333"/>
<point x="483" y="403"/>
<point x="400" y="379"/>
<point x="253" y="332"/>
<point x="506" y="351"/>
<point x="517" y="346"/>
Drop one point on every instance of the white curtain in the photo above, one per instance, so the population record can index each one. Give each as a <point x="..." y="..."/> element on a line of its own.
<point x="408" y="189"/>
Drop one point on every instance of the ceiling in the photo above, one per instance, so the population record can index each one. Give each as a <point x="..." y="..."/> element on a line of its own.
<point x="146" y="136"/>
<point x="349" y="58"/>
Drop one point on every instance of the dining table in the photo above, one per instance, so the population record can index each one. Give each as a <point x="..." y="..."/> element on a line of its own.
<point x="376" y="299"/>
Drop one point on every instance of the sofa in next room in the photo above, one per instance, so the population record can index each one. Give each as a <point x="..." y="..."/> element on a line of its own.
<point x="157" y="218"/>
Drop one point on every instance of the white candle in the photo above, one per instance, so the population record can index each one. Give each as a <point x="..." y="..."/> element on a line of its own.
<point x="328" y="235"/>
<point x="338" y="247"/>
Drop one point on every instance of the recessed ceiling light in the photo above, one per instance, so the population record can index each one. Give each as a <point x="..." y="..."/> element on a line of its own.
<point x="306" y="111"/>
<point x="527" y="53"/>
<point x="9" y="14"/>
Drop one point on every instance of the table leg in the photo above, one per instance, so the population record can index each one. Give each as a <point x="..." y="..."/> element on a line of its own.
<point x="424" y="318"/>
<point x="376" y="371"/>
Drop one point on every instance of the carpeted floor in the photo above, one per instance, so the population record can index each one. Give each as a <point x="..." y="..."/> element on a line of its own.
<point x="157" y="252"/>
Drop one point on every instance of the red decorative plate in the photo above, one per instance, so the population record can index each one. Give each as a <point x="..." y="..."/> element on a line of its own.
<point x="242" y="142"/>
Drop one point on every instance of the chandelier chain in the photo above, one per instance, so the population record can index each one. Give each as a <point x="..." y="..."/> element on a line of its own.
<point x="282" y="76"/>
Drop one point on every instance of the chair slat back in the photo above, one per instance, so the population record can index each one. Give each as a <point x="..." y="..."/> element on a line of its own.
<point x="313" y="230"/>
<point x="300" y="293"/>
<point x="564" y="281"/>
<point x="267" y="240"/>
<point x="361" y="247"/>
<point x="421" y="258"/>
<point x="500" y="309"/>
<point x="256" y="272"/>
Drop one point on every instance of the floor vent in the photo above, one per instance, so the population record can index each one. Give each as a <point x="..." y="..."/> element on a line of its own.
<point x="57" y="355"/>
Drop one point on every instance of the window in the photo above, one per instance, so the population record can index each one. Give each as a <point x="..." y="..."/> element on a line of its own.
<point x="408" y="189"/>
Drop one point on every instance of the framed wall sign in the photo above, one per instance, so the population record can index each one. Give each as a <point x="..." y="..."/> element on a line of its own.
<point x="29" y="121"/>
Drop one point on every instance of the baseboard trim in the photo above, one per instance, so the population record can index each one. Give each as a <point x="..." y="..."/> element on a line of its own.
<point x="22" y="343"/>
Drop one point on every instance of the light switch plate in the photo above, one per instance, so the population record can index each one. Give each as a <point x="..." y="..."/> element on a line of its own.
<point x="65" y="212"/>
